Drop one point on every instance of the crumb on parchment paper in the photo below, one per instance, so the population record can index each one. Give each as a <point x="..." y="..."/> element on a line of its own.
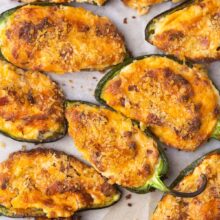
<point x="2" y="144"/>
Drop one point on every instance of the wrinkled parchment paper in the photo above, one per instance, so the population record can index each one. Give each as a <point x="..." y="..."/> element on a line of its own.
<point x="81" y="86"/>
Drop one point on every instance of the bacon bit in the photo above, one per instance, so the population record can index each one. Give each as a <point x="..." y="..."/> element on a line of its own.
<point x="127" y="134"/>
<point x="62" y="187"/>
<point x="83" y="28"/>
<point x="125" y="21"/>
<point x="107" y="29"/>
<point x="204" y="41"/>
<point x="132" y="145"/>
<point x="195" y="125"/>
<point x="174" y="35"/>
<point x="154" y="119"/>
<point x="128" y="196"/>
<point x="4" y="184"/>
<point x="122" y="101"/>
<point x="30" y="98"/>
<point x="114" y="87"/>
<point x="133" y="88"/>
<point x="28" y="32"/>
<point x="4" y="101"/>
<point x="149" y="151"/>
<point x="129" y="204"/>
<point x="66" y="51"/>
<point x="215" y="192"/>
<point x="217" y="110"/>
<point x="107" y="189"/>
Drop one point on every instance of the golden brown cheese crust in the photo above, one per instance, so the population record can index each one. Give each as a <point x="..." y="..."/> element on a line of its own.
<point x="179" y="104"/>
<point x="53" y="182"/>
<point x="97" y="2"/>
<point x="112" y="144"/>
<point x="31" y="105"/>
<point x="60" y="39"/>
<point x="206" y="206"/>
<point x="192" y="32"/>
<point x="142" y="6"/>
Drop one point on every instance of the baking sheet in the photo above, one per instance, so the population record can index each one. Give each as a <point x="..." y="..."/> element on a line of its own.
<point x="81" y="86"/>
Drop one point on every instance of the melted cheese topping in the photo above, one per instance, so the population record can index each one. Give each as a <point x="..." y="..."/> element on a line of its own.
<point x="178" y="103"/>
<point x="206" y="206"/>
<point x="142" y="6"/>
<point x="60" y="39"/>
<point x="97" y="2"/>
<point x="192" y="32"/>
<point x="112" y="144"/>
<point x="31" y="105"/>
<point x="52" y="182"/>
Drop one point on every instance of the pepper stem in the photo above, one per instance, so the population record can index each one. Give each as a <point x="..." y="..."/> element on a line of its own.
<point x="216" y="133"/>
<point x="159" y="184"/>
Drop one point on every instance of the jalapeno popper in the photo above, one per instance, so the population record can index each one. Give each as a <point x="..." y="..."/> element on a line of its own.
<point x="118" y="149"/>
<point x="188" y="31"/>
<point x="59" y="38"/>
<point x="50" y="183"/>
<point x="176" y="101"/>
<point x="204" y="206"/>
<point x="142" y="6"/>
<point x="96" y="2"/>
<point x="31" y="105"/>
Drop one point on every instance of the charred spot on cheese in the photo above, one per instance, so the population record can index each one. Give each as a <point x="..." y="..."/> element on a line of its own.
<point x="96" y="2"/>
<point x="49" y="183"/>
<point x="188" y="31"/>
<point x="176" y="101"/>
<point x="115" y="146"/>
<point x="204" y="206"/>
<point x="31" y="105"/>
<point x="142" y="6"/>
<point x="59" y="38"/>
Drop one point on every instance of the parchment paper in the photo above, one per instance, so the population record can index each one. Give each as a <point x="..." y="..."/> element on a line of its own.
<point x="82" y="87"/>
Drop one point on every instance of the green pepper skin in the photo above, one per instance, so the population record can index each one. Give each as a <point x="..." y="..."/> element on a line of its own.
<point x="216" y="132"/>
<point x="160" y="171"/>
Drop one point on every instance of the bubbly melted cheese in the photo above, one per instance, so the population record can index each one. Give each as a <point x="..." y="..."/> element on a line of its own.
<point x="31" y="105"/>
<point x="60" y="39"/>
<point x="97" y="2"/>
<point x="178" y="103"/>
<point x="206" y="206"/>
<point x="53" y="182"/>
<point x="118" y="149"/>
<point x="192" y="32"/>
